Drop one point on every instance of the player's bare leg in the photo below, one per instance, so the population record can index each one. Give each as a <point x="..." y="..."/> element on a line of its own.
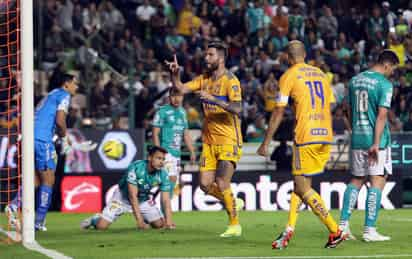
<point x="224" y="175"/>
<point x="373" y="204"/>
<point x="208" y="184"/>
<point x="349" y="201"/>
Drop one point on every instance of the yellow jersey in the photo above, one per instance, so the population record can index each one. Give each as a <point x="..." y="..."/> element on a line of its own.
<point x="310" y="91"/>
<point x="220" y="127"/>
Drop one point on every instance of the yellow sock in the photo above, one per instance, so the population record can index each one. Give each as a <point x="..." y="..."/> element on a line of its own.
<point x="230" y="206"/>
<point x="215" y="192"/>
<point x="295" y="202"/>
<point x="313" y="199"/>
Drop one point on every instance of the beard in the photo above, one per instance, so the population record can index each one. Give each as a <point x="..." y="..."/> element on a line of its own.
<point x="212" y="67"/>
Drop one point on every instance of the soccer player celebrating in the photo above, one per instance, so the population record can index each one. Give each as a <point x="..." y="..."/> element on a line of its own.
<point x="220" y="93"/>
<point x="133" y="195"/>
<point x="169" y="129"/>
<point x="312" y="96"/>
<point x="50" y="112"/>
<point x="370" y="95"/>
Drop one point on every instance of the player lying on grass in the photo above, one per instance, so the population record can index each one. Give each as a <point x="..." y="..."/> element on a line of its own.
<point x="133" y="195"/>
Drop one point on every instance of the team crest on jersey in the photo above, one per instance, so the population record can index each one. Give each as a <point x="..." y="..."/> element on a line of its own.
<point x="235" y="88"/>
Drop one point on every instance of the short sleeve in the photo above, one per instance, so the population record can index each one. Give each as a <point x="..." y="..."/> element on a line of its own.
<point x="131" y="175"/>
<point x="234" y="91"/>
<point x="165" y="184"/>
<point x="158" y="119"/>
<point x="285" y="87"/>
<point x="385" y="95"/>
<point x="64" y="104"/>
<point x="195" y="84"/>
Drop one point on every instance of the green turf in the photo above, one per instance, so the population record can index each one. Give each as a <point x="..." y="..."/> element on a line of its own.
<point x="197" y="235"/>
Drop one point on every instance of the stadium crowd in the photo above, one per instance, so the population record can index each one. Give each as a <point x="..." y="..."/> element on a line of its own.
<point x="135" y="36"/>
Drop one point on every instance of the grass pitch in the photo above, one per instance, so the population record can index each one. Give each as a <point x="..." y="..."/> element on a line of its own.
<point x="197" y="235"/>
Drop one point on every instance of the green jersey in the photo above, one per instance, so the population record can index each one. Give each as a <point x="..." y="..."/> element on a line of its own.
<point x="367" y="92"/>
<point x="138" y="174"/>
<point x="172" y="123"/>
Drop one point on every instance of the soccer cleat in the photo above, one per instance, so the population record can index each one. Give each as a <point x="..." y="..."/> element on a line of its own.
<point x="373" y="236"/>
<point x="232" y="231"/>
<point x="283" y="240"/>
<point x="240" y="204"/>
<point x="11" y="212"/>
<point x="336" y="238"/>
<point x="346" y="230"/>
<point x="87" y="223"/>
<point x="40" y="227"/>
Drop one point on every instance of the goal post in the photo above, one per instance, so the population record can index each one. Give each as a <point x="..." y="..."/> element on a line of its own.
<point x="27" y="110"/>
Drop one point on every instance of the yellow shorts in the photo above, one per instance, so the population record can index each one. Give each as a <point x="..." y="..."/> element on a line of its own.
<point x="211" y="154"/>
<point x="310" y="159"/>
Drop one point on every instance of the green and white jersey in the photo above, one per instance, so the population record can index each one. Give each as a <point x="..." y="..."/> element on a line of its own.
<point x="138" y="174"/>
<point x="368" y="91"/>
<point x="172" y="123"/>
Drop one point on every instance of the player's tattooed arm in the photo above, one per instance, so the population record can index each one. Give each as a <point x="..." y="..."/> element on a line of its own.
<point x="232" y="107"/>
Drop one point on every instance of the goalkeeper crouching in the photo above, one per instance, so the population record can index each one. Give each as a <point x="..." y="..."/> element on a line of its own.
<point x="133" y="195"/>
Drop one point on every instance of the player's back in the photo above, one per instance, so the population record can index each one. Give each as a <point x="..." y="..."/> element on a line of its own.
<point x="368" y="91"/>
<point x="45" y="114"/>
<point x="312" y="95"/>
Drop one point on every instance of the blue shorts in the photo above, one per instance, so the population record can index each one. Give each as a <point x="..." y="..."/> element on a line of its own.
<point x="45" y="155"/>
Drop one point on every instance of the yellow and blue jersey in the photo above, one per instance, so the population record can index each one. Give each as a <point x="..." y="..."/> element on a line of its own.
<point x="311" y="94"/>
<point x="220" y="127"/>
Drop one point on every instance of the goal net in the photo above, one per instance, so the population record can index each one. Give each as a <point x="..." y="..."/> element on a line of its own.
<point x="10" y="112"/>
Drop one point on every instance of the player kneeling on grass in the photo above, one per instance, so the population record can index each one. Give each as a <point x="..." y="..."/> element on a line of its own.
<point x="133" y="195"/>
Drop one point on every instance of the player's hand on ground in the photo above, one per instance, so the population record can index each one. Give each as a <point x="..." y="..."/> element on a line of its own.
<point x="263" y="150"/>
<point x="373" y="154"/>
<point x="170" y="226"/>
<point x="205" y="96"/>
<point x="142" y="226"/>
<point x="173" y="65"/>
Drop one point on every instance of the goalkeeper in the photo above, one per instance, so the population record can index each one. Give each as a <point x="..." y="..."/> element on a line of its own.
<point x="133" y="195"/>
<point x="50" y="112"/>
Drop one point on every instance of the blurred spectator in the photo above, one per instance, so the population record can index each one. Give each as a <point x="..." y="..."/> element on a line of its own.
<point x="254" y="17"/>
<point x="64" y="13"/>
<point x="268" y="94"/>
<point x="256" y="131"/>
<point x="407" y="126"/>
<point x="395" y="124"/>
<point x="340" y="123"/>
<point x="280" y="22"/>
<point x="174" y="40"/>
<point x="91" y="19"/>
<point x="388" y="14"/>
<point x="112" y="18"/>
<point x="328" y="27"/>
<point x="188" y="23"/>
<point x="377" y="26"/>
<point x="120" y="57"/>
<point x="193" y="116"/>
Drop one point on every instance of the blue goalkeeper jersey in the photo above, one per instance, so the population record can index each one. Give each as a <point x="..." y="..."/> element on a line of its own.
<point x="45" y="114"/>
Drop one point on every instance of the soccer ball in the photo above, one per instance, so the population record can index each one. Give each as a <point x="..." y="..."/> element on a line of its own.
<point x="114" y="149"/>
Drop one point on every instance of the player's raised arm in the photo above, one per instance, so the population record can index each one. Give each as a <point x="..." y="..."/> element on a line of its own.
<point x="135" y="206"/>
<point x="175" y="72"/>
